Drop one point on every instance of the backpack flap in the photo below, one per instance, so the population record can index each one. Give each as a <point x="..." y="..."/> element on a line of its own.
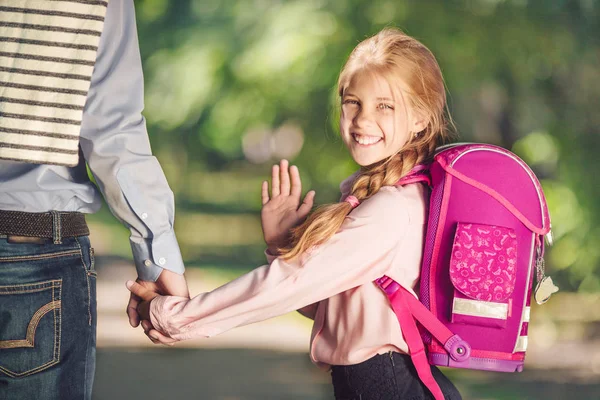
<point x="483" y="273"/>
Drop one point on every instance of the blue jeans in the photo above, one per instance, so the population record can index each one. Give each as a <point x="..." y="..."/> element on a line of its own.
<point x="47" y="320"/>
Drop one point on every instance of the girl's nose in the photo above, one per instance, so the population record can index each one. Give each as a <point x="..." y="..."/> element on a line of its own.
<point x="363" y="118"/>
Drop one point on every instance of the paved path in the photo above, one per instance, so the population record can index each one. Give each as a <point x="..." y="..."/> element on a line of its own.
<point x="229" y="374"/>
<point x="273" y="363"/>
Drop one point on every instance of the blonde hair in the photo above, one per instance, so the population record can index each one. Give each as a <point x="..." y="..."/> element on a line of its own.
<point x="407" y="63"/>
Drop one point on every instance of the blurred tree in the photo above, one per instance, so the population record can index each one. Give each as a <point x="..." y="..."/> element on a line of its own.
<point x="521" y="74"/>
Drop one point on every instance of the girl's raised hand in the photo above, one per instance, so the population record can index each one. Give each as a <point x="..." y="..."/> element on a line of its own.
<point x="283" y="210"/>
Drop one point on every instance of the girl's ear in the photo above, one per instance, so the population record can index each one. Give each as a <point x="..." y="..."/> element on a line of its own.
<point x="419" y="121"/>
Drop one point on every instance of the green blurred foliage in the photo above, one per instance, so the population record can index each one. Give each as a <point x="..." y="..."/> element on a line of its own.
<point x="521" y="74"/>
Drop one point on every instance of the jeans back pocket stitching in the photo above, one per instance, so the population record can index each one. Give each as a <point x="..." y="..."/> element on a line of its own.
<point x="46" y="256"/>
<point x="56" y="284"/>
<point x="29" y="340"/>
<point x="39" y="287"/>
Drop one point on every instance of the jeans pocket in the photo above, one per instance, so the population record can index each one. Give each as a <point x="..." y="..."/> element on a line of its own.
<point x="30" y="327"/>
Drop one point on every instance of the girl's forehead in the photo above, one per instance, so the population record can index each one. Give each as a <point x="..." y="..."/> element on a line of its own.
<point x="373" y="84"/>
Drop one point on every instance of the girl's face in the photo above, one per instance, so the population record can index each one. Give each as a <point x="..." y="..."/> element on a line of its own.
<point x="374" y="123"/>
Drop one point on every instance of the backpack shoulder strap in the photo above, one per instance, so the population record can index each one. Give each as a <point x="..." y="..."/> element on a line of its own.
<point x="415" y="343"/>
<point x="408" y="309"/>
<point x="420" y="173"/>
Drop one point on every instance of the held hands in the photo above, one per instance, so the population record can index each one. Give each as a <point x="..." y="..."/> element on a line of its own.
<point x="146" y="296"/>
<point x="283" y="210"/>
<point x="142" y="292"/>
<point x="280" y="212"/>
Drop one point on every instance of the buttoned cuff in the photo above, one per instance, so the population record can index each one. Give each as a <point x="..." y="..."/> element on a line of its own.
<point x="151" y="256"/>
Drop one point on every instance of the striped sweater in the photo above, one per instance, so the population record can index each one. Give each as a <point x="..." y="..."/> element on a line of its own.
<point x="47" y="56"/>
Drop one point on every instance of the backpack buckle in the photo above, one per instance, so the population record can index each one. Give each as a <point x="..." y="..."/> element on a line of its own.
<point x="388" y="285"/>
<point x="458" y="349"/>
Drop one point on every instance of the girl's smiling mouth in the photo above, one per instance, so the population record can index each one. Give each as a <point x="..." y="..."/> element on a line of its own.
<point x="366" y="140"/>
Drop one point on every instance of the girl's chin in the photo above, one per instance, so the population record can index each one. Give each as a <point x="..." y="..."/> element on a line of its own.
<point x="366" y="161"/>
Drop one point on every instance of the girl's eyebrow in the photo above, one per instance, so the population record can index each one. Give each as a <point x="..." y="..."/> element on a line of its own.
<point x="378" y="98"/>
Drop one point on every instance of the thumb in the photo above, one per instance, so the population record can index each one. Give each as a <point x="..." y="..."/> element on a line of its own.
<point x="134" y="318"/>
<point x="140" y="291"/>
<point x="307" y="204"/>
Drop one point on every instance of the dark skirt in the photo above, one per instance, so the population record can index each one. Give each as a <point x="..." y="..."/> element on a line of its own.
<point x="387" y="376"/>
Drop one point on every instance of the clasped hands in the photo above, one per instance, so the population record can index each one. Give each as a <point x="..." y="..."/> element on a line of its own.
<point x="281" y="211"/>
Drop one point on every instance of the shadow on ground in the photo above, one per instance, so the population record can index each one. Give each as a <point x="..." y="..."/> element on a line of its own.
<point x="225" y="374"/>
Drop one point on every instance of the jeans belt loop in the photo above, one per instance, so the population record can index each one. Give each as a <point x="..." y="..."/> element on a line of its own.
<point x="56" y="227"/>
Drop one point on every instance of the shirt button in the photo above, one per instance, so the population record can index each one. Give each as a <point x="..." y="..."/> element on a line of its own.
<point x="144" y="215"/>
<point x="162" y="261"/>
<point x="147" y="263"/>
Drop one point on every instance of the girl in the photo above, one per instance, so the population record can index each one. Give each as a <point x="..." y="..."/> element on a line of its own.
<point x="392" y="118"/>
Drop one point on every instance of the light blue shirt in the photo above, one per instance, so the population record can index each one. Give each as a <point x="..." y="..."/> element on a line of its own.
<point x="115" y="144"/>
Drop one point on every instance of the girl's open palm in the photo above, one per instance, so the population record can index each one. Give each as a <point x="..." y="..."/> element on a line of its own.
<point x="283" y="210"/>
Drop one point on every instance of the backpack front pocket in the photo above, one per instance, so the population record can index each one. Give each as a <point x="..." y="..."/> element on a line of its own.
<point x="30" y="327"/>
<point x="483" y="273"/>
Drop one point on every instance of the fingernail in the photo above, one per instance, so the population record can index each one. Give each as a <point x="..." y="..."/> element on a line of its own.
<point x="129" y="284"/>
<point x="154" y="337"/>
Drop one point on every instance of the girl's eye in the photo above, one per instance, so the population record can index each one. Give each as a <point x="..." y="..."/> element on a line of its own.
<point x="354" y="102"/>
<point x="384" y="106"/>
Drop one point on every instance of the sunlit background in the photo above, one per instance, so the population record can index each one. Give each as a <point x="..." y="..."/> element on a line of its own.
<point x="234" y="86"/>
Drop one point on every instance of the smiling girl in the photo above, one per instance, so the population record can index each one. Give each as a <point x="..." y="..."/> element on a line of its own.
<point x="393" y="105"/>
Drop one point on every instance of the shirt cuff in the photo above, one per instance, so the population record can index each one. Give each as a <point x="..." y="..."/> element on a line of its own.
<point x="161" y="317"/>
<point x="156" y="305"/>
<point x="151" y="256"/>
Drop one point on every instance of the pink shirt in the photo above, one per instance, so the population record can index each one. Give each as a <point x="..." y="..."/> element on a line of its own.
<point x="332" y="284"/>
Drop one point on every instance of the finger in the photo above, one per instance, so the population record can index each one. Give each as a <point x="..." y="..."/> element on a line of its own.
<point x="140" y="291"/>
<point x="265" y="193"/>
<point x="147" y="328"/>
<point x="285" y="178"/>
<point x="134" y="318"/>
<point x="156" y="336"/>
<point x="147" y="325"/>
<point x="275" y="181"/>
<point x="154" y="341"/>
<point x="296" y="182"/>
<point x="307" y="204"/>
<point x="152" y="338"/>
<point x="153" y="334"/>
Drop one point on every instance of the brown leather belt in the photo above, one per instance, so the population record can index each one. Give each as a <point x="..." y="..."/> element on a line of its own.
<point x="53" y="225"/>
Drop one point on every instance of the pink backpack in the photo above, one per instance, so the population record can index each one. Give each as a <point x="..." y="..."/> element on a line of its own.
<point x="484" y="247"/>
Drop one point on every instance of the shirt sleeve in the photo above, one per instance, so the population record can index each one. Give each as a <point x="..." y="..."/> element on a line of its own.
<point x="360" y="252"/>
<point x="116" y="147"/>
